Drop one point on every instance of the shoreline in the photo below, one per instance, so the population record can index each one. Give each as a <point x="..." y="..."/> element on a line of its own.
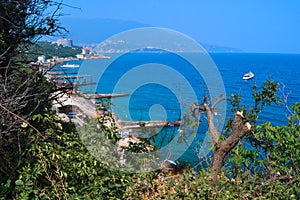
<point x="84" y="107"/>
<point x="46" y="66"/>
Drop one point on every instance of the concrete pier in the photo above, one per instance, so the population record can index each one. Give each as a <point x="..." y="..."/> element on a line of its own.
<point x="55" y="73"/>
<point x="101" y="96"/>
<point x="125" y="125"/>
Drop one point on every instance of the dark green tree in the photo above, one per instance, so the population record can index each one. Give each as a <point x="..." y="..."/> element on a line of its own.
<point x="24" y="91"/>
<point x="22" y="23"/>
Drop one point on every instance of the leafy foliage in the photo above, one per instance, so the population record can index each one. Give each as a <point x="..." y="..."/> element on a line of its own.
<point x="263" y="96"/>
<point x="59" y="166"/>
<point x="191" y="185"/>
<point x="24" y="91"/>
<point x="270" y="154"/>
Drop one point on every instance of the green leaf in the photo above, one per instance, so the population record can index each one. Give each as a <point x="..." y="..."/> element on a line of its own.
<point x="19" y="182"/>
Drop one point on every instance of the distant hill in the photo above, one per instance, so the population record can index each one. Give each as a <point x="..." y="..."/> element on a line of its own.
<point x="50" y="50"/>
<point x="216" y="48"/>
<point x="94" y="31"/>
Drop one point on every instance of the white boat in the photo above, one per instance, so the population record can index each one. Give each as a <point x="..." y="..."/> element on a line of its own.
<point x="248" y="76"/>
<point x="70" y="66"/>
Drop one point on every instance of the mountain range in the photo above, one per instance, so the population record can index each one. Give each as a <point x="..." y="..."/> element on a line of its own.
<point x="86" y="32"/>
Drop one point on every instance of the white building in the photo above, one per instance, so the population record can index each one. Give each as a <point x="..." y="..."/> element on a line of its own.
<point x="80" y="56"/>
<point x="64" y="42"/>
<point x="86" y="51"/>
<point x="42" y="59"/>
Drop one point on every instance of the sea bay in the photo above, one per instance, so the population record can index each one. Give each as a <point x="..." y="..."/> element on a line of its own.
<point x="150" y="101"/>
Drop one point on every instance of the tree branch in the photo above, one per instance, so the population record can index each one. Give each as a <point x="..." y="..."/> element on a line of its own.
<point x="218" y="101"/>
<point x="212" y="129"/>
<point x="22" y="119"/>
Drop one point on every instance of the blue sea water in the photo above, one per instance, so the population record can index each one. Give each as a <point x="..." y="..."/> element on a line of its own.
<point x="282" y="68"/>
<point x="159" y="92"/>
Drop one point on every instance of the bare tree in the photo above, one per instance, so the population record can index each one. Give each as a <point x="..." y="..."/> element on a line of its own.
<point x="222" y="148"/>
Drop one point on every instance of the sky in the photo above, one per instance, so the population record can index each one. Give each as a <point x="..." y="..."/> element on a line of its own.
<point x="268" y="26"/>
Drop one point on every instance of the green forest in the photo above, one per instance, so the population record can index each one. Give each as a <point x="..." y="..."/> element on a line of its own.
<point x="50" y="50"/>
<point x="42" y="157"/>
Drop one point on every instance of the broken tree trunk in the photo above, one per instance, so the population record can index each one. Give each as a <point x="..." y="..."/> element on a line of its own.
<point x="222" y="149"/>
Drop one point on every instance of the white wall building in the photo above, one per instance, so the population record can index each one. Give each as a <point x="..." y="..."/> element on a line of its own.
<point x="64" y="42"/>
<point x="42" y="59"/>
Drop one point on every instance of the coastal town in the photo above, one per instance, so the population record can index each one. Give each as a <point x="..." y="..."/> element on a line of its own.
<point x="76" y="106"/>
<point x="80" y="53"/>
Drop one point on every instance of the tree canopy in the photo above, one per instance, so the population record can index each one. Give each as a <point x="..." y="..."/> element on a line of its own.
<point x="23" y="22"/>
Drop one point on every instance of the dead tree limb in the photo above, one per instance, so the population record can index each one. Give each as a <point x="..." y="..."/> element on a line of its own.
<point x="222" y="148"/>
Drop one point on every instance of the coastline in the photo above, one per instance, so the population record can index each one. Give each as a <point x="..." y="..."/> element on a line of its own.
<point x="50" y="63"/>
<point x="85" y="108"/>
